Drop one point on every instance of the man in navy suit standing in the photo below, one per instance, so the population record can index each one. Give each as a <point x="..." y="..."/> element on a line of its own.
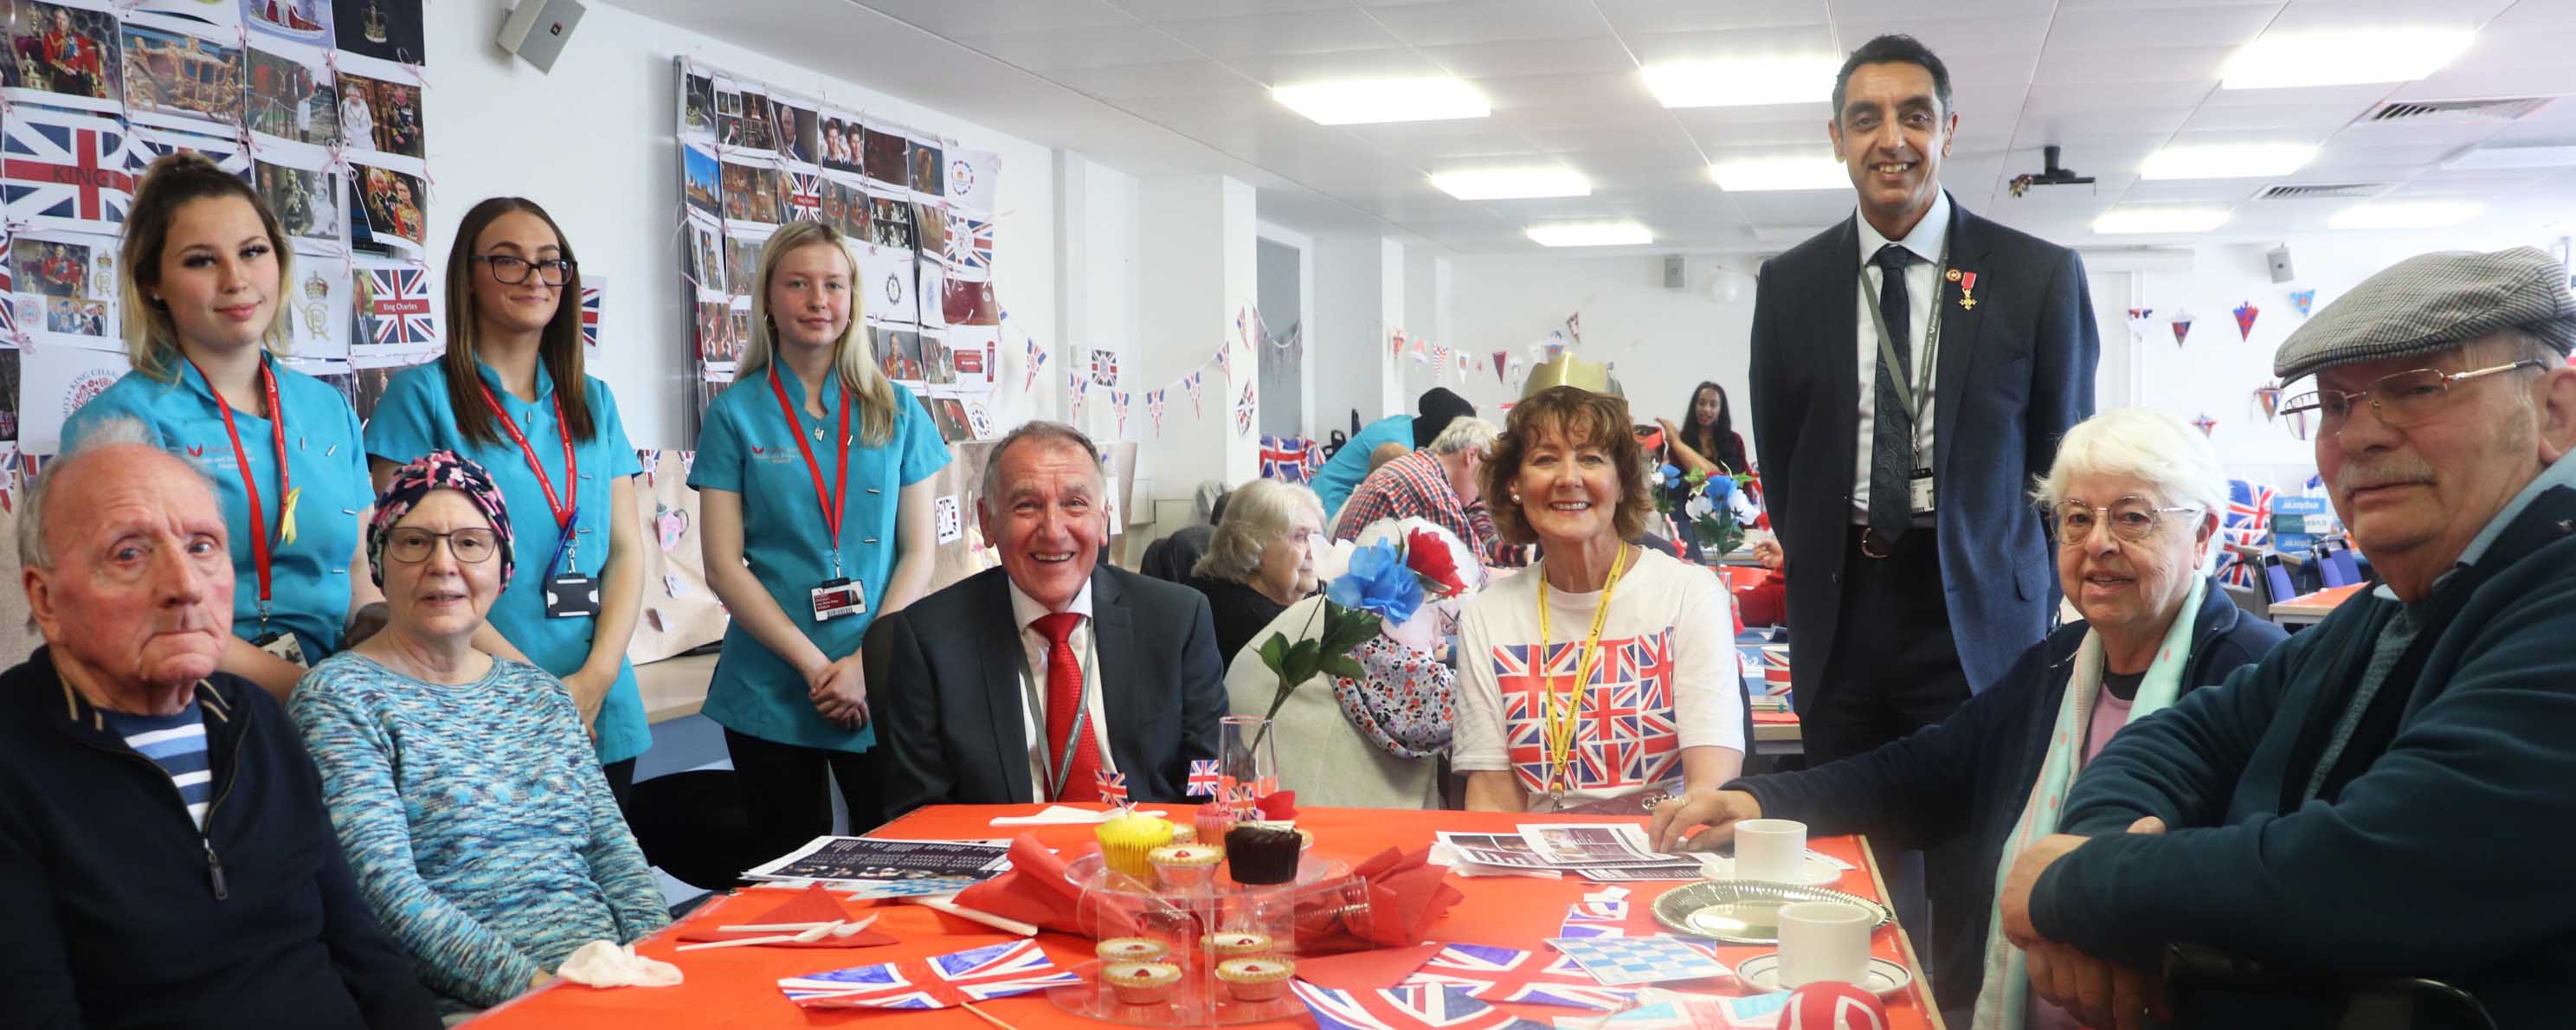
<point x="1913" y="367"/>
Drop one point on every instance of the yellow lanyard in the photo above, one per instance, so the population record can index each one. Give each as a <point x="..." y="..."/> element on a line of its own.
<point x="1563" y="709"/>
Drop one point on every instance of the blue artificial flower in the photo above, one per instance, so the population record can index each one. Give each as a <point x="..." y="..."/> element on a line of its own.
<point x="1378" y="581"/>
<point x="1672" y="475"/>
<point x="1720" y="488"/>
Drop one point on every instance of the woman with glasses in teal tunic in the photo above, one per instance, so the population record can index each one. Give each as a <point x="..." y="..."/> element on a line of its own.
<point x="814" y="478"/>
<point x="511" y="394"/>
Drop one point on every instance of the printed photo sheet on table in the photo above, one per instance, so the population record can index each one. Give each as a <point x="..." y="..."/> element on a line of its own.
<point x="857" y="859"/>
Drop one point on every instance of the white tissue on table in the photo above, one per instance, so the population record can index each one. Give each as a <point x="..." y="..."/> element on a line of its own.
<point x="1061" y="815"/>
<point x="604" y="964"/>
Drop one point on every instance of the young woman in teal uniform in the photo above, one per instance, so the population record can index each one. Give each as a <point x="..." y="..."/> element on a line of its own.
<point x="203" y="270"/>
<point x="813" y="473"/>
<point x="511" y="395"/>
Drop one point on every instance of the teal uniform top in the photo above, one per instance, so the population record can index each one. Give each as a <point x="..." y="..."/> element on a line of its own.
<point x="1335" y="481"/>
<point x="308" y="575"/>
<point x="745" y="446"/>
<point x="414" y="418"/>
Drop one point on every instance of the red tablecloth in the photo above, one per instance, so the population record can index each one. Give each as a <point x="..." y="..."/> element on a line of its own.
<point x="737" y="987"/>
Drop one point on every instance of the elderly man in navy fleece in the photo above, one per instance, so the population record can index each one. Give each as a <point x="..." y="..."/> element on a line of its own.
<point x="2390" y="791"/>
<point x="165" y="860"/>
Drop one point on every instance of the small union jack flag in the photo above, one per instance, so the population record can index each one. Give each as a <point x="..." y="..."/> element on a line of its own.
<point x="65" y="170"/>
<point x="805" y="196"/>
<point x="1284" y="458"/>
<point x="1404" y="1008"/>
<point x="1204" y="778"/>
<point x="1595" y="919"/>
<point x="1113" y="786"/>
<point x="1154" y="409"/>
<point x="2247" y="523"/>
<point x="398" y="306"/>
<point x="590" y="315"/>
<point x="970" y="243"/>
<point x="938" y="982"/>
<point x="1509" y="974"/>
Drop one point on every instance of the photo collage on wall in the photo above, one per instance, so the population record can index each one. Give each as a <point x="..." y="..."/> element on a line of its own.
<point x="316" y="104"/>
<point x="917" y="209"/>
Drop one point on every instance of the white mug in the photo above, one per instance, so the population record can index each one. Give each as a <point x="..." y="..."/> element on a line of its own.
<point x="1770" y="849"/>
<point x="1823" y="940"/>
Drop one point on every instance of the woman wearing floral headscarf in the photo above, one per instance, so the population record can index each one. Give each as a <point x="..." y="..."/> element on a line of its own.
<point x="488" y="864"/>
<point x="1369" y="741"/>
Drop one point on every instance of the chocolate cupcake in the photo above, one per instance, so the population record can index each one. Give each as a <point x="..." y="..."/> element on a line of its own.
<point x="1261" y="854"/>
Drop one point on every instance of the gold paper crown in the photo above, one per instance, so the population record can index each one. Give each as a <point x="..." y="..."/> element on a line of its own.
<point x="1567" y="370"/>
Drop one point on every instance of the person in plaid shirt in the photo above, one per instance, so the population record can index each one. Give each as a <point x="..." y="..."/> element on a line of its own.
<point x="1437" y="483"/>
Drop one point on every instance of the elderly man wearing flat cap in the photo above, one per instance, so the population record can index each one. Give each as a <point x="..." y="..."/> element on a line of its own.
<point x="2393" y="791"/>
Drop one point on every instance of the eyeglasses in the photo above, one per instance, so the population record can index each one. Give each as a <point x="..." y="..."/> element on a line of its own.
<point x="470" y="546"/>
<point x="511" y="271"/>
<point x="2131" y="519"/>
<point x="2400" y="400"/>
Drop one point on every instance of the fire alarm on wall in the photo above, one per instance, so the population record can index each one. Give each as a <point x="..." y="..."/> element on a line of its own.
<point x="538" y="30"/>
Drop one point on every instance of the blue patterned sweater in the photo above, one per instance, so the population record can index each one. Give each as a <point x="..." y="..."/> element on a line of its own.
<point x="476" y="818"/>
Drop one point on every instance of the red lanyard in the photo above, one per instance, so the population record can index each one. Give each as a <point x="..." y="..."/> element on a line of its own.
<point x="563" y="509"/>
<point x="260" y="554"/>
<point x="840" y="492"/>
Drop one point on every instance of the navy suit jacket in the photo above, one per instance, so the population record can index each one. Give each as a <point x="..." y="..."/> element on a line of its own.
<point x="2012" y="375"/>
<point x="944" y="687"/>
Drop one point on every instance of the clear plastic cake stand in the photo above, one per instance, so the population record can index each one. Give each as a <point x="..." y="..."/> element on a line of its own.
<point x="1116" y="905"/>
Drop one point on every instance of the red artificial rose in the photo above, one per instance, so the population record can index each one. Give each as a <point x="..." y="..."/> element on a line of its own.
<point x="1428" y="556"/>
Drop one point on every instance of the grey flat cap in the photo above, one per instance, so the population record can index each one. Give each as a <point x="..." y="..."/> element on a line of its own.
<point x="2431" y="301"/>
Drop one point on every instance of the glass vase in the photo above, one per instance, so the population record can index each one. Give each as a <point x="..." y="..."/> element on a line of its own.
<point x="1247" y="765"/>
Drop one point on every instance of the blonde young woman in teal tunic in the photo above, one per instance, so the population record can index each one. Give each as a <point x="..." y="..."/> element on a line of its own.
<point x="813" y="473"/>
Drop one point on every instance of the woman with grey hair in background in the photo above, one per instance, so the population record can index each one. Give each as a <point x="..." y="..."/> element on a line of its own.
<point x="2131" y="503"/>
<point x="1261" y="560"/>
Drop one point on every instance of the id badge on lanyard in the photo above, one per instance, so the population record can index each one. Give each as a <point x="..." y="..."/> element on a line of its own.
<point x="1915" y="396"/>
<point x="569" y="593"/>
<point x="839" y="596"/>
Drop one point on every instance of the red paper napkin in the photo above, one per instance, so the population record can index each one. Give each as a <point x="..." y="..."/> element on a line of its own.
<point x="1036" y="891"/>
<point x="811" y="905"/>
<point x="1403" y="894"/>
<point x="1366" y="970"/>
<point x="1278" y="805"/>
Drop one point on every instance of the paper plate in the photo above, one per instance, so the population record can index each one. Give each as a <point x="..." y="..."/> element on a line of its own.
<point x="1762" y="973"/>
<point x="1745" y="911"/>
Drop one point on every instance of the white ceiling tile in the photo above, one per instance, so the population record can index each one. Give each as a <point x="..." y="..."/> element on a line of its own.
<point x="1170" y="79"/>
<point x="1454" y="22"/>
<point x="2345" y="14"/>
<point x="2311" y="121"/>
<point x="1587" y="55"/>
<point x="1953" y="36"/>
<point x="1769" y="137"/>
<point x="1101" y="46"/>
<point x="1288" y="68"/>
<point x="2465" y="81"/>
<point x="969" y="17"/>
<point x="2534" y="16"/>
<point x="1180" y="10"/>
<point x="1253" y="35"/>
<point x="2148" y="28"/>
<point x="1633" y="17"/>
<point x="2196" y="66"/>
<point x="1772" y="41"/>
<point x="1893" y="10"/>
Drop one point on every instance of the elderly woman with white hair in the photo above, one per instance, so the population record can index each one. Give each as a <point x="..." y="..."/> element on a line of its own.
<point x="1373" y="740"/>
<point x="1260" y="560"/>
<point x="2132" y="503"/>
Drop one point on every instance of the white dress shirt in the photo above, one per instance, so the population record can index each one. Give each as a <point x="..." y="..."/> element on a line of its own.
<point x="1026" y="611"/>
<point x="1921" y="295"/>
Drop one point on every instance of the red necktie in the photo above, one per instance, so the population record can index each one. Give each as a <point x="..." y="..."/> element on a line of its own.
<point x="1063" y="704"/>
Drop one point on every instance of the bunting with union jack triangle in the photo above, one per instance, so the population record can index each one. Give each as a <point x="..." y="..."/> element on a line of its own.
<point x="1509" y="974"/>
<point x="1243" y="412"/>
<point x="1197" y="383"/>
<point x="937" y="982"/>
<point x="1118" y="403"/>
<point x="1625" y="733"/>
<point x="1154" y="411"/>
<point x="1404" y="1008"/>
<point x="64" y="171"/>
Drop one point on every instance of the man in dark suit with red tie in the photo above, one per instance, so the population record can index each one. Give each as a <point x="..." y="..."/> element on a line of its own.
<point x="1913" y="367"/>
<point x="1030" y="681"/>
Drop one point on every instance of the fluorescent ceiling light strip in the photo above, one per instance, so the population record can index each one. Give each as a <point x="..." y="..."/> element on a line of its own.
<point x="2344" y="57"/>
<point x="2226" y="160"/>
<point x="1595" y="234"/>
<point x="1744" y="82"/>
<point x="1513" y="183"/>
<point x="1765" y="174"/>
<point x="2126" y="221"/>
<point x="2405" y="214"/>
<point x="1367" y="101"/>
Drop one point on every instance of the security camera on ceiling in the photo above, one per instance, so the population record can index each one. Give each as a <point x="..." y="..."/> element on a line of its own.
<point x="2049" y="175"/>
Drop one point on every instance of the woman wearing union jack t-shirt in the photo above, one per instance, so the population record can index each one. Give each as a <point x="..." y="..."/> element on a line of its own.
<point x="1607" y="672"/>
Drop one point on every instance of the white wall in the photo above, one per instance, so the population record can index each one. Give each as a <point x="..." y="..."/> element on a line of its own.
<point x="1663" y="341"/>
<point x="593" y="142"/>
<point x="2215" y="370"/>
